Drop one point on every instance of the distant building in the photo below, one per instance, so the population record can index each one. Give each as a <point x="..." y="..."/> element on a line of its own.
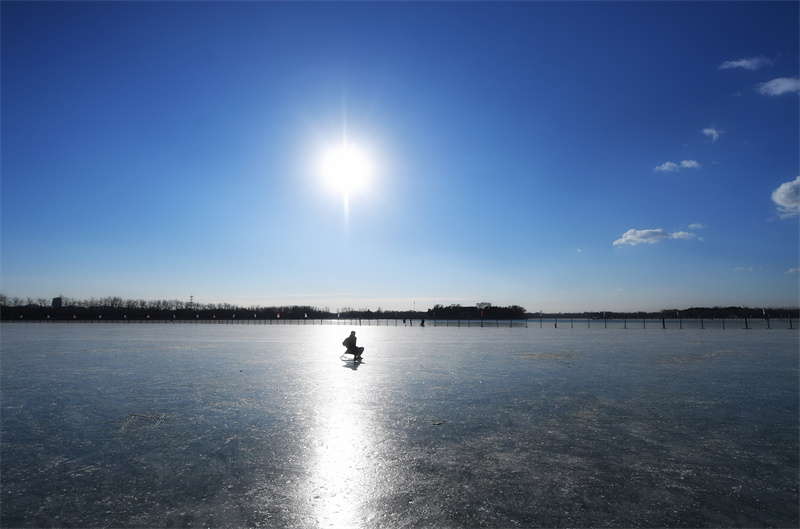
<point x="56" y="303"/>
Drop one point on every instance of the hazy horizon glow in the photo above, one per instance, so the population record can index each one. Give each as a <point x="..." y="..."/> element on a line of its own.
<point x="555" y="155"/>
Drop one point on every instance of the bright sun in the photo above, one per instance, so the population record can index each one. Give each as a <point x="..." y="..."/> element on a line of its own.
<point x="346" y="168"/>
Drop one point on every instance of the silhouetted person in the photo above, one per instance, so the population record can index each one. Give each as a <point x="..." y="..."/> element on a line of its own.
<point x="350" y="343"/>
<point x="422" y="323"/>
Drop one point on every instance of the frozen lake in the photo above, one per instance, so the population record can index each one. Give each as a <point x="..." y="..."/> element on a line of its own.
<point x="120" y="425"/>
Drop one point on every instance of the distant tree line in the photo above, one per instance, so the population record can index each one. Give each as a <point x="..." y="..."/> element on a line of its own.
<point x="693" y="313"/>
<point x="479" y="311"/>
<point x="116" y="308"/>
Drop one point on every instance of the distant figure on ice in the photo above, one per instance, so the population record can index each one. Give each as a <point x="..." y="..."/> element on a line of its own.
<point x="350" y="343"/>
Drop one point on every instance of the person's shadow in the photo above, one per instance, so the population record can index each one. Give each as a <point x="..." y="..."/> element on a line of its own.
<point x="352" y="363"/>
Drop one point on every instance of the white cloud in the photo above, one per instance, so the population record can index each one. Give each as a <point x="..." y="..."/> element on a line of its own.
<point x="713" y="132"/>
<point x="787" y="198"/>
<point x="780" y="86"/>
<point x="634" y="237"/>
<point x="743" y="269"/>
<point x="697" y="226"/>
<point x="682" y="235"/>
<point x="753" y="63"/>
<point x="671" y="167"/>
<point x="667" y="167"/>
<point x="792" y="271"/>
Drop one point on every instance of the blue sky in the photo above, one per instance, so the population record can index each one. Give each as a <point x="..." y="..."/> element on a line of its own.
<point x="559" y="156"/>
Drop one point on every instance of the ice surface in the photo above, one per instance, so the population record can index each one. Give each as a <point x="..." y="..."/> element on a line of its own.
<point x="226" y="425"/>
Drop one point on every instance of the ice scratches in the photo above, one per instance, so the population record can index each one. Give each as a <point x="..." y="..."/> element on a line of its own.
<point x="135" y="420"/>
<point x="231" y="404"/>
<point x="228" y="449"/>
<point x="698" y="357"/>
<point x="558" y="358"/>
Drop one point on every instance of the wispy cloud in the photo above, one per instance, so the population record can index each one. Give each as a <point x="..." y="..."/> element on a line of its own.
<point x="634" y="237"/>
<point x="753" y="63"/>
<point x="780" y="86"/>
<point x="713" y="132"/>
<point x="697" y="226"/>
<point x="792" y="271"/>
<point x="787" y="198"/>
<point x="670" y="167"/>
<point x="743" y="269"/>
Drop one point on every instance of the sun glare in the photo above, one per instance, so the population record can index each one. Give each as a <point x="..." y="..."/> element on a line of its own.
<point x="346" y="168"/>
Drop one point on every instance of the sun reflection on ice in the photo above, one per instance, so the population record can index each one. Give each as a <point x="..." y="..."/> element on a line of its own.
<point x="341" y="473"/>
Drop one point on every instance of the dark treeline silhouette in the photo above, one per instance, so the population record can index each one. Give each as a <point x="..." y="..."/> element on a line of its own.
<point x="693" y="313"/>
<point x="116" y="308"/>
<point x="479" y="311"/>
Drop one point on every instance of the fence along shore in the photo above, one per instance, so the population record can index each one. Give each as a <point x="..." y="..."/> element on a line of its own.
<point x="550" y="322"/>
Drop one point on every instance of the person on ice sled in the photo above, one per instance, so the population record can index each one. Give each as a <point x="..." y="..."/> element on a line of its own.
<point x="350" y="343"/>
